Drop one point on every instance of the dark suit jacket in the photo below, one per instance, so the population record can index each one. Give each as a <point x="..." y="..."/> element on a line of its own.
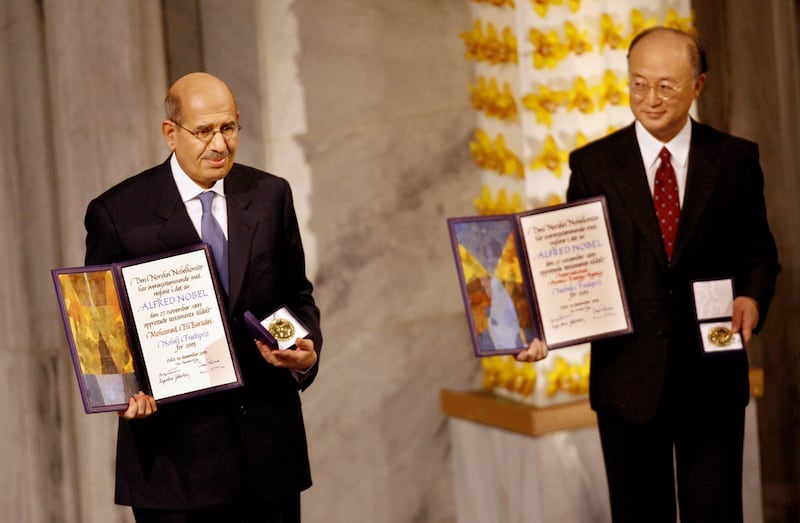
<point x="209" y="450"/>
<point x="723" y="233"/>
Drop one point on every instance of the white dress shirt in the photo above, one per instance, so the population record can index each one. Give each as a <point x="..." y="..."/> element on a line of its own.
<point x="189" y="192"/>
<point x="678" y="147"/>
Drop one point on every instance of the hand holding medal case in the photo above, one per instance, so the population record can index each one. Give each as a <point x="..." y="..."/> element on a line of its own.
<point x="713" y="301"/>
<point x="279" y="329"/>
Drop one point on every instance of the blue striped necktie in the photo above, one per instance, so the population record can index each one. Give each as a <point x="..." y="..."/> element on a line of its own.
<point x="212" y="234"/>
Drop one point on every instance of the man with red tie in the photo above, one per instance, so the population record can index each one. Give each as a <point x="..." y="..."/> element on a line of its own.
<point x="685" y="204"/>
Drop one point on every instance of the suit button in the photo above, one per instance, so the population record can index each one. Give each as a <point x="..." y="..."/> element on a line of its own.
<point x="661" y="333"/>
<point x="243" y="410"/>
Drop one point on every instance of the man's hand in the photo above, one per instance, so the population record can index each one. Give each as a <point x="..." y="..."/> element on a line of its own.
<point x="536" y="351"/>
<point x="300" y="359"/>
<point x="139" y="406"/>
<point x="745" y="316"/>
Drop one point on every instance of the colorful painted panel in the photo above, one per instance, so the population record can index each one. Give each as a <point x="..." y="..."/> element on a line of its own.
<point x="496" y="295"/>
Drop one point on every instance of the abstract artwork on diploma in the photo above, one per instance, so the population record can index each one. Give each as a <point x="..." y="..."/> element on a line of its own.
<point x="496" y="297"/>
<point x="105" y="359"/>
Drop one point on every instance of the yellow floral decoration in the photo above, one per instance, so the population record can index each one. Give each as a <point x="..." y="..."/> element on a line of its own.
<point x="510" y="374"/>
<point x="554" y="199"/>
<point x="496" y="3"/>
<point x="490" y="47"/>
<point x="580" y="140"/>
<point x="548" y="49"/>
<point x="487" y="97"/>
<point x="473" y="40"/>
<point x="684" y="23"/>
<point x="551" y="158"/>
<point x="486" y="205"/>
<point x="572" y="378"/>
<point x="611" y="33"/>
<point x="495" y="155"/>
<point x="577" y="41"/>
<point x="639" y="22"/>
<point x="544" y="104"/>
<point x="581" y="97"/>
<point x="542" y="6"/>
<point x="520" y="377"/>
<point x="613" y="90"/>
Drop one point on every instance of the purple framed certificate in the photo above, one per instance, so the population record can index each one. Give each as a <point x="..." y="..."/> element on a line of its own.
<point x="155" y="324"/>
<point x="497" y="298"/>
<point x="550" y="273"/>
<point x="571" y="260"/>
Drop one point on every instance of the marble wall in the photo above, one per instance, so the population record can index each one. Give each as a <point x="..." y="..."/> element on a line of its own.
<point x="363" y="106"/>
<point x="387" y="124"/>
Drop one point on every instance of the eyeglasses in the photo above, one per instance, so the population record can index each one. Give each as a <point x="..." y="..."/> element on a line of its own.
<point x="640" y="89"/>
<point x="228" y="131"/>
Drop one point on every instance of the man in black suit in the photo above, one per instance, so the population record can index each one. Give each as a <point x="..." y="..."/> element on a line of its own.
<point x="656" y="392"/>
<point x="657" y="389"/>
<point x="237" y="455"/>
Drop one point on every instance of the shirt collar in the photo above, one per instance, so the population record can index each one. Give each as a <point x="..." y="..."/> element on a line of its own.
<point x="678" y="147"/>
<point x="187" y="188"/>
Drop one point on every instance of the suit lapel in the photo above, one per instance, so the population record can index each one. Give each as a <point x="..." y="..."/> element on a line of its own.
<point x="701" y="178"/>
<point x="630" y="181"/>
<point x="177" y="230"/>
<point x="241" y="227"/>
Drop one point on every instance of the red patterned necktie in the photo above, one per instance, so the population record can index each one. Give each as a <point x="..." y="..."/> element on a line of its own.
<point x="667" y="201"/>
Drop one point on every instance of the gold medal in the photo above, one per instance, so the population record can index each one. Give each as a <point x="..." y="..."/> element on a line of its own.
<point x="720" y="336"/>
<point x="282" y="329"/>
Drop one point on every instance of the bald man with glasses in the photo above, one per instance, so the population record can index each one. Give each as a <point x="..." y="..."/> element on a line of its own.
<point x="238" y="455"/>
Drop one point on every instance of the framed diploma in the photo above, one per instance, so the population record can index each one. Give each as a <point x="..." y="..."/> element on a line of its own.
<point x="155" y="324"/>
<point x="550" y="273"/>
<point x="572" y="264"/>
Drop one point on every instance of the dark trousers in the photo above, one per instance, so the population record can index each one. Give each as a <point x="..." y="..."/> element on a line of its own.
<point x="707" y="442"/>
<point x="282" y="510"/>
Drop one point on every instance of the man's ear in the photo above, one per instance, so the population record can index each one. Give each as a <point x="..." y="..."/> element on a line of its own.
<point x="699" y="82"/>
<point x="169" y="130"/>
